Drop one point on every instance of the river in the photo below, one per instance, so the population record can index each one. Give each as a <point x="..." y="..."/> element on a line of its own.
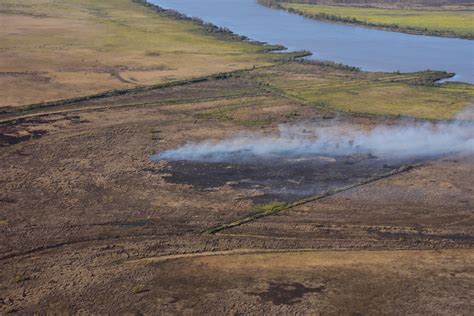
<point x="369" y="49"/>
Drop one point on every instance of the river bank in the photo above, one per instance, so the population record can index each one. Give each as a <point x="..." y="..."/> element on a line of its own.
<point x="368" y="49"/>
<point x="418" y="21"/>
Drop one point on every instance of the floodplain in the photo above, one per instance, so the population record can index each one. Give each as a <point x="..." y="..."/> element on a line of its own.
<point x="101" y="211"/>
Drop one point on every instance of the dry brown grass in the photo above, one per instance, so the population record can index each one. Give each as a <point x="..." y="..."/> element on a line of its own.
<point x="52" y="50"/>
<point x="333" y="282"/>
<point x="82" y="202"/>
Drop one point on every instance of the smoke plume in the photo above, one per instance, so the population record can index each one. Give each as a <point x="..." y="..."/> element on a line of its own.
<point x="385" y="141"/>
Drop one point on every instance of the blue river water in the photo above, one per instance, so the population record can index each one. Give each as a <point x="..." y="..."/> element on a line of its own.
<point x="369" y="49"/>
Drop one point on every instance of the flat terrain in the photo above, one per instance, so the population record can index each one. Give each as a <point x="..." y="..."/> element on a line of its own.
<point x="89" y="224"/>
<point x="53" y="50"/>
<point x="345" y="89"/>
<point x="453" y="21"/>
<point x="92" y="222"/>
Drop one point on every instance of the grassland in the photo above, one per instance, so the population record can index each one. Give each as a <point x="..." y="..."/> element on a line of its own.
<point x="83" y="210"/>
<point x="89" y="224"/>
<point x="305" y="282"/>
<point x="452" y="23"/>
<point x="410" y="94"/>
<point x="325" y="85"/>
<point x="60" y="49"/>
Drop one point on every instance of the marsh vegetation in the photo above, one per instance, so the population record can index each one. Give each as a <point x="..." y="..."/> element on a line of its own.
<point x="92" y="223"/>
<point x="422" y="19"/>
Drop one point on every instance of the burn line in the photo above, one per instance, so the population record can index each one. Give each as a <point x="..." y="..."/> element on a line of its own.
<point x="309" y="199"/>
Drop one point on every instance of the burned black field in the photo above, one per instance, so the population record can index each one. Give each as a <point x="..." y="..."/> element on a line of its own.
<point x="284" y="179"/>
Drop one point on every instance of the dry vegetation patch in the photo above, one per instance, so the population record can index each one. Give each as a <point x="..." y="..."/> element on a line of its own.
<point x="90" y="224"/>
<point x="54" y="50"/>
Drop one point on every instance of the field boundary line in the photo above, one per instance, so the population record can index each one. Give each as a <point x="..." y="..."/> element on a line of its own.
<point x="250" y="251"/>
<point x="278" y="209"/>
<point x="143" y="104"/>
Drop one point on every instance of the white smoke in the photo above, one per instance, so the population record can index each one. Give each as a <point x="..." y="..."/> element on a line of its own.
<point x="385" y="141"/>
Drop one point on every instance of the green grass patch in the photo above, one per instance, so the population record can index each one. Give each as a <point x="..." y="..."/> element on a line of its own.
<point x="406" y="94"/>
<point x="274" y="206"/>
<point x="459" y="23"/>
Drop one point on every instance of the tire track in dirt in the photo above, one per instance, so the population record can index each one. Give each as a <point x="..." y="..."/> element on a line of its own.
<point x="121" y="106"/>
<point x="73" y="242"/>
<point x="246" y="251"/>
